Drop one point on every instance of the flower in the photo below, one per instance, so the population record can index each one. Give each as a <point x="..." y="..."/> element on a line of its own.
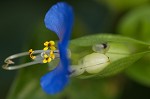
<point x="59" y="19"/>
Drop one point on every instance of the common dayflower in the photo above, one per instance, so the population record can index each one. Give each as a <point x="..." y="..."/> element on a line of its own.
<point x="59" y="19"/>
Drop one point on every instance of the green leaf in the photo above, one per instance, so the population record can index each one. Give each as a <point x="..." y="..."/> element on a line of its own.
<point x="121" y="5"/>
<point x="136" y="24"/>
<point x="120" y="57"/>
<point x="104" y="38"/>
<point x="116" y="66"/>
<point x="121" y="64"/>
<point x="118" y="44"/>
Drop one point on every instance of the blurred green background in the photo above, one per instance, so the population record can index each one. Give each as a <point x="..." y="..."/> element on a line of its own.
<point x="22" y="28"/>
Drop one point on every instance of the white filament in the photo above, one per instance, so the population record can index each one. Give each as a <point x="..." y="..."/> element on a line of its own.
<point x="37" y="60"/>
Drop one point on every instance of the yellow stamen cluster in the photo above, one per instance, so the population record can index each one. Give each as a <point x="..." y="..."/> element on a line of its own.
<point x="46" y="57"/>
<point x="31" y="54"/>
<point x="49" y="45"/>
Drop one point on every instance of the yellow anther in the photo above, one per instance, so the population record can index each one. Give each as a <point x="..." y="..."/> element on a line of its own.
<point x="52" y="55"/>
<point x="45" y="56"/>
<point x="46" y="43"/>
<point x="32" y="57"/>
<point x="45" y="48"/>
<point x="30" y="53"/>
<point x="53" y="48"/>
<point x="51" y="52"/>
<point x="50" y="44"/>
<point x="46" y="59"/>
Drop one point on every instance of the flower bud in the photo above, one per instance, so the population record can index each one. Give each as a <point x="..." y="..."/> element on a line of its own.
<point x="95" y="62"/>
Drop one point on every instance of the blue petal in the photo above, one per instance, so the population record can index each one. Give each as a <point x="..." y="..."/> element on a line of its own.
<point x="56" y="80"/>
<point x="59" y="19"/>
<point x="64" y="56"/>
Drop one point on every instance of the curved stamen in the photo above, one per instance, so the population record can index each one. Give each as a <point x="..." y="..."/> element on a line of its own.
<point x="37" y="60"/>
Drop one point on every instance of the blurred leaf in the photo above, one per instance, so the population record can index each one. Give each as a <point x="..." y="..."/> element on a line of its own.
<point x="136" y="24"/>
<point x="79" y="28"/>
<point x="27" y="86"/>
<point x="121" y="5"/>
